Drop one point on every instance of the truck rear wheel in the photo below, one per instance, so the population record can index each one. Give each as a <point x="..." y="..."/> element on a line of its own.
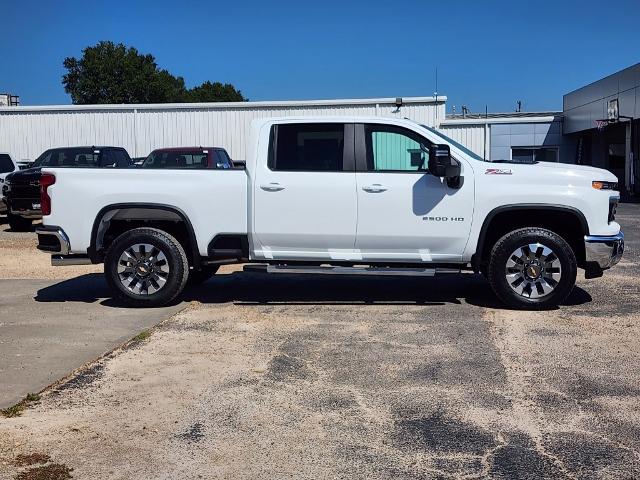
<point x="146" y="267"/>
<point x="532" y="268"/>
<point x="18" y="223"/>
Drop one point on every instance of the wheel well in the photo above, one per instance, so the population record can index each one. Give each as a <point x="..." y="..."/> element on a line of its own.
<point x="570" y="225"/>
<point x="116" y="220"/>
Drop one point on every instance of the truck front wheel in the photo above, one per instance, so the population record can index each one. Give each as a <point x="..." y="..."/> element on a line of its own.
<point x="532" y="268"/>
<point x="146" y="267"/>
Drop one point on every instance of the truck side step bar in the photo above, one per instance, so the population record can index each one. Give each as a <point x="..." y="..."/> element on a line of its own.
<point x="355" y="270"/>
<point x="63" y="260"/>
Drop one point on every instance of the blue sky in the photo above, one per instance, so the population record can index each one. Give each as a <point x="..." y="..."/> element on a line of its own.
<point x="487" y="52"/>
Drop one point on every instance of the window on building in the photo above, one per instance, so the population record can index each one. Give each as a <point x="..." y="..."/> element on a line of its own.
<point x="394" y="149"/>
<point x="534" y="154"/>
<point x="307" y="147"/>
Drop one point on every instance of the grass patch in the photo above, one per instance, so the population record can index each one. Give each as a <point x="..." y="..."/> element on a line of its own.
<point x="32" y="397"/>
<point x="17" y="409"/>
<point x="53" y="471"/>
<point x="142" y="336"/>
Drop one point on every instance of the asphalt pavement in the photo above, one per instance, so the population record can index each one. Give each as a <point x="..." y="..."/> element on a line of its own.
<point x="50" y="328"/>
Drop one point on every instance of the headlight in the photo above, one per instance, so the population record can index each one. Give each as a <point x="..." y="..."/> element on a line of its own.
<point x="600" y="185"/>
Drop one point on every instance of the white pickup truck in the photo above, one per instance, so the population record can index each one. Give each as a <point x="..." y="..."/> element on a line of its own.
<point x="368" y="196"/>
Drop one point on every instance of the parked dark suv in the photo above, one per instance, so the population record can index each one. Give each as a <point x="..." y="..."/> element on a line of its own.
<point x="188" y="157"/>
<point x="21" y="190"/>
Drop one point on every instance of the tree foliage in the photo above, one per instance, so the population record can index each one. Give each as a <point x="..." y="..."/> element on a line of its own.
<point x="113" y="73"/>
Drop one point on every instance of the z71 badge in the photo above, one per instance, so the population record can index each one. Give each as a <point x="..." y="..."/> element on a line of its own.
<point x="498" y="171"/>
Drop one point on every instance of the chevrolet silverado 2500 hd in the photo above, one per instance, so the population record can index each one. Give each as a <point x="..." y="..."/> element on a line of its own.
<point x="369" y="196"/>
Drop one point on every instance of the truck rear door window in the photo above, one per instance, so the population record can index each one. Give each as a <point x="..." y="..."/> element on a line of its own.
<point x="307" y="147"/>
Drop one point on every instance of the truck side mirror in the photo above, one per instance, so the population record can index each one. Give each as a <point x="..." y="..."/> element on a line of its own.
<point x="442" y="165"/>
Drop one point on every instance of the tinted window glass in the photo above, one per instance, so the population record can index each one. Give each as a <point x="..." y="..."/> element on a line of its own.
<point x="6" y="165"/>
<point x="534" y="154"/>
<point x="107" y="159"/>
<point x="522" y="154"/>
<point x="226" y="157"/>
<point x="394" y="149"/>
<point x="122" y="158"/>
<point x="221" y="160"/>
<point x="177" y="159"/>
<point x="70" y="157"/>
<point x="307" y="147"/>
<point x="547" y="155"/>
<point x="43" y="160"/>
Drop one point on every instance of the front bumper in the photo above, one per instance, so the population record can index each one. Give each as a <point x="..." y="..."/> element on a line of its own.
<point x="604" y="251"/>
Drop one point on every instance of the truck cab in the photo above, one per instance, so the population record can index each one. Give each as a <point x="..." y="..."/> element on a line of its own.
<point x="371" y="196"/>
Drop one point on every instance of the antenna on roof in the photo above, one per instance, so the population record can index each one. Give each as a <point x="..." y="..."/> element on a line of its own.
<point x="435" y="93"/>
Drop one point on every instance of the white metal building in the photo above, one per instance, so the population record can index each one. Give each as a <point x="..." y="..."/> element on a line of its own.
<point x="26" y="132"/>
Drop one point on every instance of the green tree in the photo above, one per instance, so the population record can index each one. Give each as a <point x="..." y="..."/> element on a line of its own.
<point x="112" y="73"/>
<point x="215" y="92"/>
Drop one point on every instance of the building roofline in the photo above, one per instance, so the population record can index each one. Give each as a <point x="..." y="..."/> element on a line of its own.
<point x="635" y="65"/>
<point x="532" y="117"/>
<point x="440" y="99"/>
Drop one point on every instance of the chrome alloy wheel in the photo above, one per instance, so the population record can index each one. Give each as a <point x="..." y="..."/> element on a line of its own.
<point x="533" y="270"/>
<point x="143" y="269"/>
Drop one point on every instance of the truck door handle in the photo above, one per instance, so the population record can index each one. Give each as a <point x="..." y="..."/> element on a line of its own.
<point x="272" y="187"/>
<point x="375" y="188"/>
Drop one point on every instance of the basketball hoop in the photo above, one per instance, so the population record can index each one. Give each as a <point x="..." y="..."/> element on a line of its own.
<point x="600" y="124"/>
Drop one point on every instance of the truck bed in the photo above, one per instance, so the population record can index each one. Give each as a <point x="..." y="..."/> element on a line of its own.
<point x="214" y="201"/>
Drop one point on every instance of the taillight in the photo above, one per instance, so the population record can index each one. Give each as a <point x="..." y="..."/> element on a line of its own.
<point x="46" y="180"/>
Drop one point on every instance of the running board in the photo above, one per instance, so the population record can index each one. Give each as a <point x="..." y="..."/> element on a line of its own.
<point x="330" y="270"/>
<point x="63" y="260"/>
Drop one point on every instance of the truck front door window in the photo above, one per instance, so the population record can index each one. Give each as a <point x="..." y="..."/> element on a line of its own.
<point x="391" y="149"/>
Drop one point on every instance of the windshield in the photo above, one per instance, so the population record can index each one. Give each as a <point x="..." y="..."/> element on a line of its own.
<point x="68" y="157"/>
<point x="473" y="155"/>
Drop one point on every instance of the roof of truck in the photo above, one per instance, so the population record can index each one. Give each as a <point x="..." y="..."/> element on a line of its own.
<point x="174" y="149"/>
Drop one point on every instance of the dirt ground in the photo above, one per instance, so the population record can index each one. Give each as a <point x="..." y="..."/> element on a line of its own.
<point x="19" y="258"/>
<point x="309" y="377"/>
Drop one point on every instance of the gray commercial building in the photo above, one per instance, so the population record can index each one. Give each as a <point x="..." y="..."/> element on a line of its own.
<point x="603" y="120"/>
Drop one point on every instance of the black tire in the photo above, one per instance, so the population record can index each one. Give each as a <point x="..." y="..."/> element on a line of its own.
<point x="198" y="277"/>
<point x="168" y="284"/>
<point x="550" y="277"/>
<point x="18" y="223"/>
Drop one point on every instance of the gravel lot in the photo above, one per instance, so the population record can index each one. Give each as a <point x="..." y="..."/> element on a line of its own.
<point x="309" y="377"/>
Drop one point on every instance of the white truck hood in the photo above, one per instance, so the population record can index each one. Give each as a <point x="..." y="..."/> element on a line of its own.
<point x="542" y="168"/>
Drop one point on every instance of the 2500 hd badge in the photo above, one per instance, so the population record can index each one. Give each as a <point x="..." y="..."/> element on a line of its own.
<point x="444" y="219"/>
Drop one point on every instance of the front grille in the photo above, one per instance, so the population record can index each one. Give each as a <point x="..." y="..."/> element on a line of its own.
<point x="613" y="206"/>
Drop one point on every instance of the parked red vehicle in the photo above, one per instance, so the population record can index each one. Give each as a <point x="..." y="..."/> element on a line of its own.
<point x="188" y="157"/>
